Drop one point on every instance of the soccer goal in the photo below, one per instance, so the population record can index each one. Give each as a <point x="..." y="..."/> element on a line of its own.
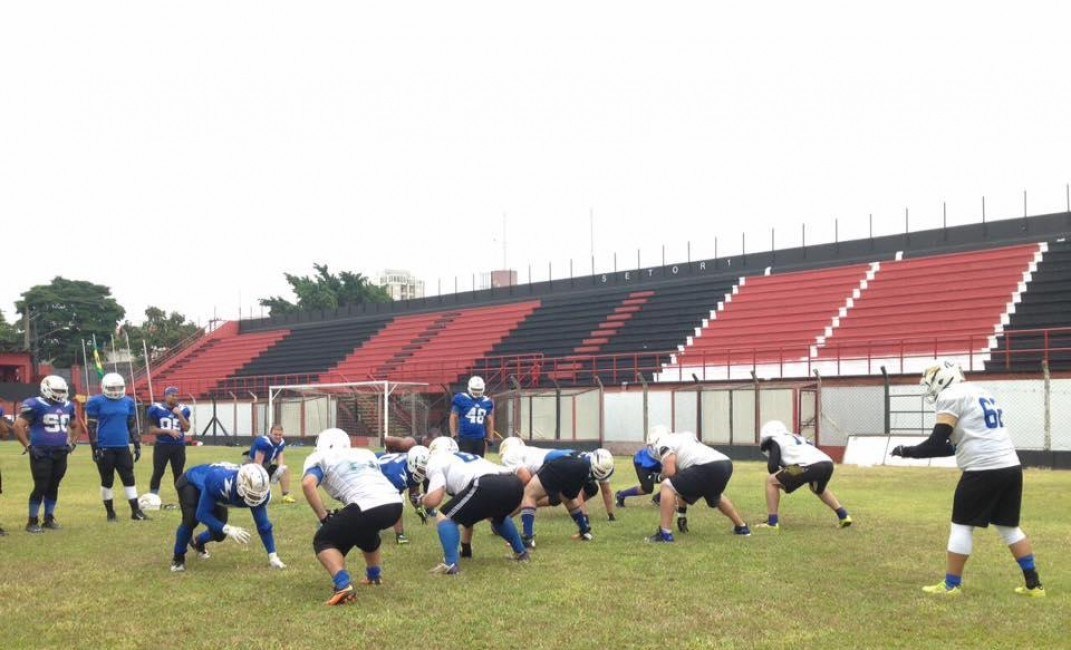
<point x="363" y="408"/>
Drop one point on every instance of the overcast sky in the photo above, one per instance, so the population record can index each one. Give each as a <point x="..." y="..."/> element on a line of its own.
<point x="187" y="154"/>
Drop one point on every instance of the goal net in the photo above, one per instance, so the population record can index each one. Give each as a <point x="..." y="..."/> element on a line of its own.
<point x="364" y="408"/>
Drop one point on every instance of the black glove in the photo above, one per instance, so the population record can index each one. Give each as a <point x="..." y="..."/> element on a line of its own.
<point x="898" y="450"/>
<point x="98" y="454"/>
<point x="71" y="446"/>
<point x="422" y="512"/>
<point x="137" y="453"/>
<point x="415" y="500"/>
<point x="26" y="450"/>
<point x="328" y="516"/>
<point x="611" y="517"/>
<point x="682" y="524"/>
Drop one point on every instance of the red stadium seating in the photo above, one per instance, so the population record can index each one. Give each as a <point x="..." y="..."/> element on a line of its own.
<point x="216" y="360"/>
<point x="606" y="330"/>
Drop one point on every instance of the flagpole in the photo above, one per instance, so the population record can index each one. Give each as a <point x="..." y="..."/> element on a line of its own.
<point x="130" y="362"/>
<point x="115" y="356"/>
<point x="148" y="371"/>
<point x="85" y="365"/>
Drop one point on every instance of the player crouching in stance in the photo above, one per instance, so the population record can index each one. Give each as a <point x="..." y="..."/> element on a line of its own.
<point x="353" y="478"/>
<point x="270" y="452"/>
<point x="691" y="470"/>
<point x="405" y="473"/>
<point x="793" y="462"/>
<point x="206" y="492"/>
<point x="113" y="427"/>
<point x="555" y="475"/>
<point x="47" y="427"/>
<point x="648" y="471"/>
<point x="970" y="426"/>
<point x="480" y="490"/>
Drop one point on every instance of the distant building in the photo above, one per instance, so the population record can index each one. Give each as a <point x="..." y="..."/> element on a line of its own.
<point x="401" y="285"/>
<point x="497" y="279"/>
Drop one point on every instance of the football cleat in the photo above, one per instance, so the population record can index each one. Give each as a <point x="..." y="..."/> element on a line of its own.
<point x="3" y="533"/>
<point x="742" y="531"/>
<point x="342" y="596"/>
<point x="660" y="538"/>
<point x="112" y="519"/>
<point x="844" y="523"/>
<point x="583" y="537"/>
<point x="942" y="589"/>
<point x="138" y="515"/>
<point x="400" y="538"/>
<point x="444" y="569"/>
<point x="529" y="542"/>
<point x="522" y="558"/>
<point x="766" y="525"/>
<point x="51" y="523"/>
<point x="1036" y="592"/>
<point x="682" y="524"/>
<point x="178" y="566"/>
<point x="33" y="527"/>
<point x="620" y="500"/>
<point x="202" y="552"/>
<point x="289" y="499"/>
<point x="370" y="581"/>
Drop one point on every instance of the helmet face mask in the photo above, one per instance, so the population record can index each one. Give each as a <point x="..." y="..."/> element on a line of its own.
<point x="476" y="386"/>
<point x="54" y="388"/>
<point x="113" y="386"/>
<point x="938" y="377"/>
<point x="254" y="485"/>
<point x="602" y="464"/>
<point x="416" y="461"/>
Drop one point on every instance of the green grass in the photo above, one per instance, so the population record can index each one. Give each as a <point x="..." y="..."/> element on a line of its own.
<point x="810" y="585"/>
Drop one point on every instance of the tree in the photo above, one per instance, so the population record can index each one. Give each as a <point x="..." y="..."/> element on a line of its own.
<point x="325" y="290"/>
<point x="9" y="336"/>
<point x="160" y="331"/>
<point x="63" y="313"/>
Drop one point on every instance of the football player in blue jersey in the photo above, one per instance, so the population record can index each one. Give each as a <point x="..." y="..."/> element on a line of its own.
<point x="649" y="473"/>
<point x="405" y="472"/>
<point x="269" y="452"/>
<point x="206" y="492"/>
<point x="169" y="422"/>
<point x="112" y="429"/>
<point x="472" y="419"/>
<point x="47" y="427"/>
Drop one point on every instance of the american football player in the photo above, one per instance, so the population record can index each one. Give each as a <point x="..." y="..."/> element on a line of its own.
<point x="168" y="421"/>
<point x="472" y="418"/>
<point x="970" y="426"/>
<point x="793" y="462"/>
<point x="112" y="429"/>
<point x="270" y="452"/>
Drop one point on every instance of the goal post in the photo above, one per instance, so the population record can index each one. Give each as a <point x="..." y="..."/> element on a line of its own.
<point x="364" y="408"/>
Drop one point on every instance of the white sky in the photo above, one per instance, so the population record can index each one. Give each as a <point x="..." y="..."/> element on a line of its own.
<point x="186" y="154"/>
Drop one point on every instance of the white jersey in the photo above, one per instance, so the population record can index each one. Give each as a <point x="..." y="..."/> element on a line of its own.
<point x="353" y="476"/>
<point x="795" y="450"/>
<point x="688" y="449"/>
<point x="455" y="472"/>
<point x="530" y="458"/>
<point x="980" y="438"/>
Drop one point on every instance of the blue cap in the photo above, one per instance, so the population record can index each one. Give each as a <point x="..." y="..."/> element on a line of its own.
<point x="170" y="390"/>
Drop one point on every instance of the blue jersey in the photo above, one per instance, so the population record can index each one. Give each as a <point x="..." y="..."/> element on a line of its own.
<point x="270" y="450"/>
<point x="396" y="468"/>
<point x="218" y="485"/>
<point x="113" y="418"/>
<point x="646" y="461"/>
<point x="162" y="417"/>
<point x="49" y="421"/>
<point x="471" y="412"/>
<point x="555" y="454"/>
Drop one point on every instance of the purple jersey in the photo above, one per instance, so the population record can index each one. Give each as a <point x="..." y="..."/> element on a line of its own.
<point x="49" y="421"/>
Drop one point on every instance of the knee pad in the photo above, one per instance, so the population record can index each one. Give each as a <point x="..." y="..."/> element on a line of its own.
<point x="1011" y="535"/>
<point x="961" y="539"/>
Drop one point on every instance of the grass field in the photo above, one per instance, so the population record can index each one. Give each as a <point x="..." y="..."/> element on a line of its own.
<point x="809" y="585"/>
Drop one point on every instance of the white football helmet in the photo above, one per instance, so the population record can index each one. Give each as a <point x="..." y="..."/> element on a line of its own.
<point x="773" y="428"/>
<point x="939" y="377"/>
<point x="254" y="486"/>
<point x="514" y="456"/>
<point x="602" y="464"/>
<point x="113" y="386"/>
<point x="332" y="440"/>
<point x="476" y="386"/>
<point x="442" y="445"/>
<point x="149" y="501"/>
<point x="416" y="461"/>
<point x="656" y="433"/>
<point x="509" y="444"/>
<point x="54" y="388"/>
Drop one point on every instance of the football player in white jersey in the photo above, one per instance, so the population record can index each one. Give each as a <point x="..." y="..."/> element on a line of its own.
<point x="691" y="470"/>
<point x="371" y="504"/>
<point x="480" y="490"/>
<point x="792" y="463"/>
<point x="970" y="426"/>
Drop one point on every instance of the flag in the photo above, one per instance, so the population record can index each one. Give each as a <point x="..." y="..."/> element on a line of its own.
<point x="96" y="360"/>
